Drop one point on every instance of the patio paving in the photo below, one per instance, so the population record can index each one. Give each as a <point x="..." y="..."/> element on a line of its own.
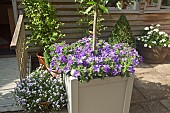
<point x="9" y="75"/>
<point x="151" y="92"/>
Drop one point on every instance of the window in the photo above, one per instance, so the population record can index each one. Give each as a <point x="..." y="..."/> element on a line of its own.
<point x="165" y="4"/>
<point x="153" y="4"/>
<point x="124" y="5"/>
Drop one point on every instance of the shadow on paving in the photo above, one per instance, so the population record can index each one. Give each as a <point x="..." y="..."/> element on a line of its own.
<point x="150" y="97"/>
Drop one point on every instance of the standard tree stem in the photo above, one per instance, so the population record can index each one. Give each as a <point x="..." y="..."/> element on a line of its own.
<point x="94" y="28"/>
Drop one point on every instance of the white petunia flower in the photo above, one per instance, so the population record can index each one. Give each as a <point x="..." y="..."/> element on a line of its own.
<point x="156" y="30"/>
<point x="149" y="46"/>
<point x="158" y="25"/>
<point x="168" y="45"/>
<point x="161" y="33"/>
<point x="163" y="40"/>
<point x="150" y="32"/>
<point x="154" y="42"/>
<point x="146" y="28"/>
<point x="165" y="45"/>
<point x="145" y="45"/>
<point x="138" y="38"/>
<point x="151" y="27"/>
<point x="166" y="35"/>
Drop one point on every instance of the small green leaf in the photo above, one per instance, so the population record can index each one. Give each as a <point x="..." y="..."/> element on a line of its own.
<point x="91" y="3"/>
<point x="88" y="9"/>
<point x="103" y="8"/>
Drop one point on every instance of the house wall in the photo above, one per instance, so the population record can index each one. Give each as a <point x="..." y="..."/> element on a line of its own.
<point x="68" y="14"/>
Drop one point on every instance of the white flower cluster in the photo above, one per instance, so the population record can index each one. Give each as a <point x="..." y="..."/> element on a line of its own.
<point x="152" y="37"/>
<point x="40" y="88"/>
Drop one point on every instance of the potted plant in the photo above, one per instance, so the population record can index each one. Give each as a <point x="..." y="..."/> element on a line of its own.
<point x="94" y="77"/>
<point x="153" y="44"/>
<point x="87" y="61"/>
<point x="42" y="23"/>
<point x="41" y="92"/>
<point x="122" y="32"/>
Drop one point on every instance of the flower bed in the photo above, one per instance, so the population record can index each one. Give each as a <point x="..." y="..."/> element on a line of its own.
<point x="79" y="60"/>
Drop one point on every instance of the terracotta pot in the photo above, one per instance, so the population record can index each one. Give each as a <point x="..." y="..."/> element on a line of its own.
<point x="54" y="73"/>
<point x="152" y="55"/>
<point x="44" y="104"/>
<point x="41" y="60"/>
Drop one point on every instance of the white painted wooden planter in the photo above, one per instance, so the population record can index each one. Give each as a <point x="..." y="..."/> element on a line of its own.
<point x="111" y="95"/>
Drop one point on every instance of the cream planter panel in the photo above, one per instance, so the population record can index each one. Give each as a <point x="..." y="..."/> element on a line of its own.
<point x="111" y="95"/>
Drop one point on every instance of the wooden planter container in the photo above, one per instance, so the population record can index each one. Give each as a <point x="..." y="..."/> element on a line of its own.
<point x="153" y="55"/>
<point x="111" y="95"/>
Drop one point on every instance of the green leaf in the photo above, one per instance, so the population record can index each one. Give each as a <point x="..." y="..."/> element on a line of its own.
<point x="103" y="8"/>
<point x="91" y="3"/>
<point x="88" y="9"/>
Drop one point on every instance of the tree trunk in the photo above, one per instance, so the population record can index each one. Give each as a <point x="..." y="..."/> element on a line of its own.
<point x="94" y="28"/>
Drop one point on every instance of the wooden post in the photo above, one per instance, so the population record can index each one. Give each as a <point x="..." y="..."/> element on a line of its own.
<point x="11" y="20"/>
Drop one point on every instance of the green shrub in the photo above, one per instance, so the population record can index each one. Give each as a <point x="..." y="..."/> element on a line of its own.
<point x="122" y="33"/>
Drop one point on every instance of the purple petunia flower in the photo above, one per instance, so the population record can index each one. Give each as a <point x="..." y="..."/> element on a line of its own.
<point x="66" y="69"/>
<point x="115" y="72"/>
<point x="106" y="69"/>
<point x="96" y="68"/>
<point x="69" y="62"/>
<point x="58" y="49"/>
<point x="75" y="73"/>
<point x="131" y="69"/>
<point x="85" y="64"/>
<point x="63" y="58"/>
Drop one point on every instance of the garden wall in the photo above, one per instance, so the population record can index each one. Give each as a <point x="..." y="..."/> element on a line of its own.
<point x="68" y="14"/>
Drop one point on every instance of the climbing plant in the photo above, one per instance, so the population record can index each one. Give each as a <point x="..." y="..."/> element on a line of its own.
<point x="42" y="23"/>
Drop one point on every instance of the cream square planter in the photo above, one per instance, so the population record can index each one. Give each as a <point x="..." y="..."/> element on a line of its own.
<point x="111" y="95"/>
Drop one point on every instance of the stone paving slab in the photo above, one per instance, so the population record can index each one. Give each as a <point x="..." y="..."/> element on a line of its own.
<point x="152" y="85"/>
<point x="136" y="108"/>
<point x="10" y="85"/>
<point x="5" y="102"/>
<point x="166" y="103"/>
<point x="10" y="109"/>
<point x="9" y="75"/>
<point x="154" y="107"/>
<point x="7" y="81"/>
<point x="137" y="97"/>
<point x="163" y="69"/>
<point x="6" y="93"/>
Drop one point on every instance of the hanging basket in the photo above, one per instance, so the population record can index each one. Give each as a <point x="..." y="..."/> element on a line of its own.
<point x="154" y="55"/>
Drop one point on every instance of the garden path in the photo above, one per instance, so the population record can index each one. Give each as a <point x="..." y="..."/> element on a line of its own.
<point x="151" y="92"/>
